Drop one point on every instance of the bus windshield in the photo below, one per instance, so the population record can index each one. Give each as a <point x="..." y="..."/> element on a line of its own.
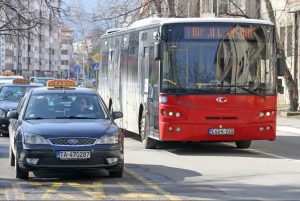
<point x="218" y="58"/>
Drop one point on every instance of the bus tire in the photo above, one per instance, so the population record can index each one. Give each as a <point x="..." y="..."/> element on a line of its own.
<point x="245" y="144"/>
<point x="148" y="142"/>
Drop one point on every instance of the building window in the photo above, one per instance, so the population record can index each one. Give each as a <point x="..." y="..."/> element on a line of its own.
<point x="237" y="5"/>
<point x="289" y="41"/>
<point x="64" y="52"/>
<point x="282" y="36"/>
<point x="8" y="60"/>
<point x="222" y="7"/>
<point x="64" y="62"/>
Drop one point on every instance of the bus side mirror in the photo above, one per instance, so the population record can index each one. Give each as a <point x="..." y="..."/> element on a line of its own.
<point x="157" y="52"/>
<point x="280" y="88"/>
<point x="280" y="66"/>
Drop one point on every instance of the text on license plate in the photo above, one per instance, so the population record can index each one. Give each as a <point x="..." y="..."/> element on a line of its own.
<point x="71" y="155"/>
<point x="221" y="131"/>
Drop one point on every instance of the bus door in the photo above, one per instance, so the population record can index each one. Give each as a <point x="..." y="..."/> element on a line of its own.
<point x="153" y="93"/>
<point x="150" y="97"/>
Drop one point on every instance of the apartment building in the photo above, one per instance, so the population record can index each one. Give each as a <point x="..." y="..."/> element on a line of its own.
<point x="66" y="51"/>
<point x="35" y="52"/>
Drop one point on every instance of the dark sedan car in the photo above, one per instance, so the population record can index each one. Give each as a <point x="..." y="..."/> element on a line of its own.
<point x="10" y="94"/>
<point x="64" y="128"/>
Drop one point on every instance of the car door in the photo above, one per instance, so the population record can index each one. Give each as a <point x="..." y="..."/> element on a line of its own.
<point x="15" y="123"/>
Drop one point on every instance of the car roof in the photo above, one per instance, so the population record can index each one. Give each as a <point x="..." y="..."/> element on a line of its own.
<point x="77" y="90"/>
<point x="30" y="84"/>
<point x="44" y="78"/>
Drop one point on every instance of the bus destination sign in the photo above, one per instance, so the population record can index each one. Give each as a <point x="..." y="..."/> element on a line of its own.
<point x="216" y="32"/>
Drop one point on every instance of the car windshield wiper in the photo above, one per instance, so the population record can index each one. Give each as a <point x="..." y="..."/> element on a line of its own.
<point x="30" y="118"/>
<point x="74" y="117"/>
<point x="241" y="87"/>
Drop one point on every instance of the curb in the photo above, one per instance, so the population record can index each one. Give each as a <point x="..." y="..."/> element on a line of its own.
<point x="284" y="113"/>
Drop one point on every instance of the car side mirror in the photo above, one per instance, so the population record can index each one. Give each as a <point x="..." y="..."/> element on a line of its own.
<point x="280" y="66"/>
<point x="157" y="53"/>
<point x="12" y="114"/>
<point x="280" y="88"/>
<point x="117" y="115"/>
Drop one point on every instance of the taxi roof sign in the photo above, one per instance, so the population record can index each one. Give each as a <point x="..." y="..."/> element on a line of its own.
<point x="7" y="73"/>
<point x="61" y="83"/>
<point x="21" y="81"/>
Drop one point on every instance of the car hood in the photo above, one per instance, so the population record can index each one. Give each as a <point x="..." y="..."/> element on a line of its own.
<point x="7" y="105"/>
<point x="94" y="128"/>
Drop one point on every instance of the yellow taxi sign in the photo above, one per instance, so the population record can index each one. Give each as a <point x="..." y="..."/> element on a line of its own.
<point x="21" y="81"/>
<point x="7" y="73"/>
<point x="61" y="83"/>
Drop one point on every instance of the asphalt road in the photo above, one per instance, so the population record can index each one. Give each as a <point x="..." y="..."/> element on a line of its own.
<point x="190" y="171"/>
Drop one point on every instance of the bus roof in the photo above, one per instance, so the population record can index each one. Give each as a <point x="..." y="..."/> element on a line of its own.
<point x="155" y="21"/>
<point x="162" y="21"/>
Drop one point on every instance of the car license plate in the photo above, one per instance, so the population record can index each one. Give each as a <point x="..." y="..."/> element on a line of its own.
<point x="73" y="155"/>
<point x="221" y="131"/>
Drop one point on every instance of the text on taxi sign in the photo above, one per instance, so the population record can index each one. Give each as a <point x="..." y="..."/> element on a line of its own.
<point x="61" y="83"/>
<point x="21" y="81"/>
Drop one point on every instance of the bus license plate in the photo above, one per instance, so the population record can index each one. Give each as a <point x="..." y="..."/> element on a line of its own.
<point x="73" y="155"/>
<point x="221" y="131"/>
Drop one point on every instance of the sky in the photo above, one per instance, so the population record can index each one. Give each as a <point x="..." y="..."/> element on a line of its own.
<point x="87" y="7"/>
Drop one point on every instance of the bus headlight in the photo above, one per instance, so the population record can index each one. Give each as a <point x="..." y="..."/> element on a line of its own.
<point x="261" y="114"/>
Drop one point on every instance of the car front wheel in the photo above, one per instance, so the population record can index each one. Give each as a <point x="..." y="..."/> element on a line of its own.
<point x="21" y="174"/>
<point x="117" y="173"/>
<point x="11" y="157"/>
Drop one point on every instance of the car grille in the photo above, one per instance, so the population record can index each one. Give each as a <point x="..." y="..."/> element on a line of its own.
<point x="73" y="141"/>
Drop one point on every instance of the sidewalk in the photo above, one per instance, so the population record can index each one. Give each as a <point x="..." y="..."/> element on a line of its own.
<point x="283" y="111"/>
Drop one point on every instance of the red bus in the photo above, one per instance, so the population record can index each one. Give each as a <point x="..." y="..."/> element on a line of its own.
<point x="192" y="79"/>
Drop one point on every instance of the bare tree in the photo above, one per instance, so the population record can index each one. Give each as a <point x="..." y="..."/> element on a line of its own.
<point x="18" y="16"/>
<point x="290" y="82"/>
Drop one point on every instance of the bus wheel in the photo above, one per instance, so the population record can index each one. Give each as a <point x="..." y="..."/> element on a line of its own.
<point x="148" y="142"/>
<point x="243" y="144"/>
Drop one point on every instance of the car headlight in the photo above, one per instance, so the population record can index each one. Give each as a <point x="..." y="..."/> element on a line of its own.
<point x="34" y="139"/>
<point x="109" y="139"/>
<point x="2" y="113"/>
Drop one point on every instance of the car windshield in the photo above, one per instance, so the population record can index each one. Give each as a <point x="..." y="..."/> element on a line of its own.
<point x="13" y="93"/>
<point x="65" y="106"/>
<point x="42" y="80"/>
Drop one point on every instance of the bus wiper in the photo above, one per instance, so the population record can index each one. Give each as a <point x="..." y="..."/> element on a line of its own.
<point x="185" y="92"/>
<point x="241" y="87"/>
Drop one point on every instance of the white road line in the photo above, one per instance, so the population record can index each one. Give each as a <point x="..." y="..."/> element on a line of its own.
<point x="289" y="129"/>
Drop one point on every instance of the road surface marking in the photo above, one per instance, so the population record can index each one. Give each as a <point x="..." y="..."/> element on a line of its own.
<point x="53" y="189"/>
<point x="19" y="195"/>
<point x="152" y="185"/>
<point x="289" y="129"/>
<point x="133" y="192"/>
<point x="268" y="154"/>
<point x="97" y="186"/>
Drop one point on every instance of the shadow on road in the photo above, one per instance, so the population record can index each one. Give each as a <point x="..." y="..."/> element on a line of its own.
<point x="203" y="148"/>
<point x="4" y="151"/>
